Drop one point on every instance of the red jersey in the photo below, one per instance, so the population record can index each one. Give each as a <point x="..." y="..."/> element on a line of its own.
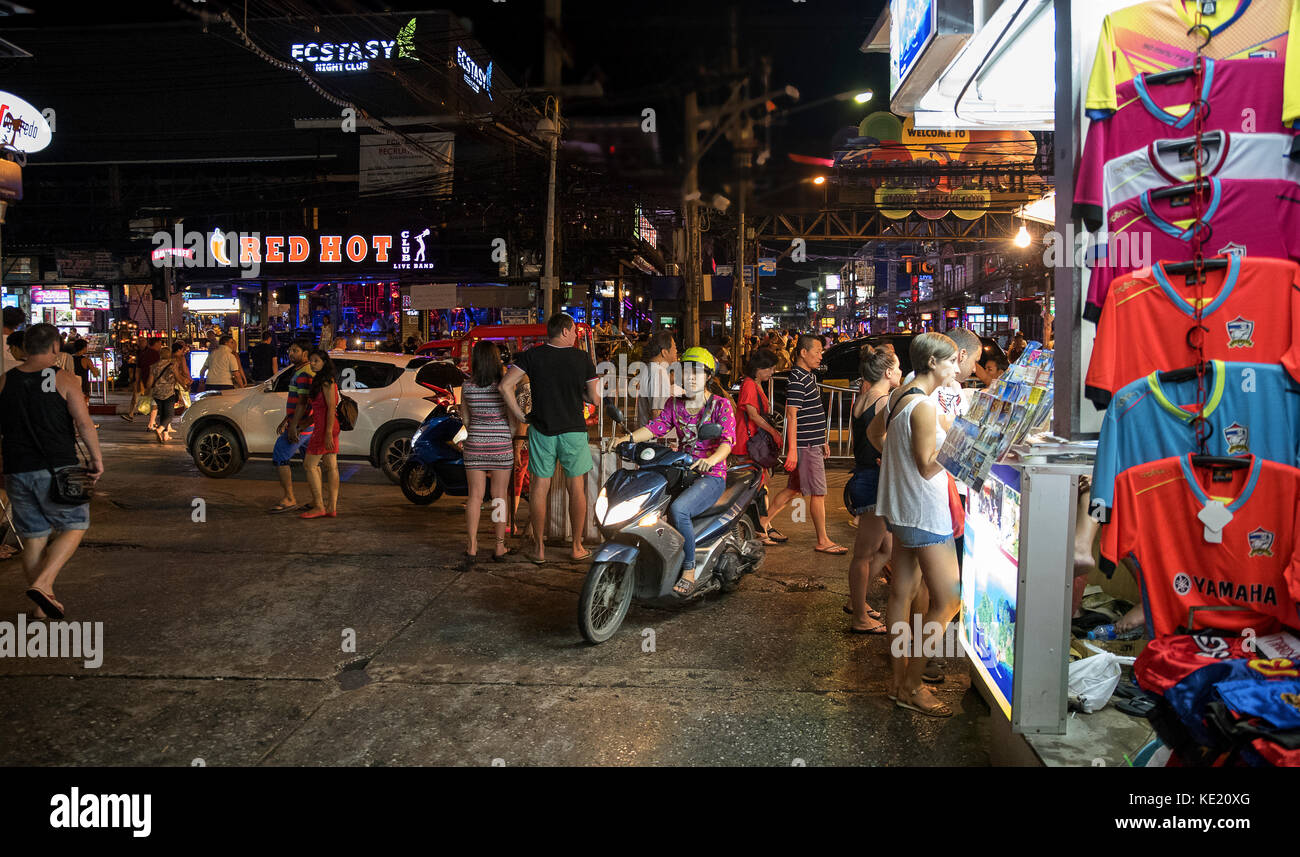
<point x="1248" y="568"/>
<point x="1145" y="229"/>
<point x="1252" y="310"/>
<point x="1166" y="661"/>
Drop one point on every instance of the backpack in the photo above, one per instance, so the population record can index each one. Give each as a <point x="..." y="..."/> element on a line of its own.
<point x="163" y="389"/>
<point x="347" y="413"/>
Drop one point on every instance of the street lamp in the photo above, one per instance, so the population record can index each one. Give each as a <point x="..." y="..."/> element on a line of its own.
<point x="864" y="97"/>
<point x="548" y="131"/>
<point x="820" y="180"/>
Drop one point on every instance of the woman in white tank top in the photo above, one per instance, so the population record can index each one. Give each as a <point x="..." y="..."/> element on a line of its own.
<point x="913" y="499"/>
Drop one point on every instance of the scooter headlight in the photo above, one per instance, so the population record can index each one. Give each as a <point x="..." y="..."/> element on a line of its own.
<point x="619" y="512"/>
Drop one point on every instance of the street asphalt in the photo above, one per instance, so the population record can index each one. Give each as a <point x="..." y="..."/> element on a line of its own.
<point x="225" y="641"/>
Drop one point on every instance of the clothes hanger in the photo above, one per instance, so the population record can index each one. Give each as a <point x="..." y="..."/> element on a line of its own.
<point x="1181" y="189"/>
<point x="1221" y="462"/>
<point x="1171" y="144"/>
<point x="1217" y="264"/>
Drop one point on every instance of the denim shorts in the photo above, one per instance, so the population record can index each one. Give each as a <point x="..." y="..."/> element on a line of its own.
<point x="35" y="514"/>
<point x="860" y="490"/>
<point x="913" y="538"/>
<point x="285" y="451"/>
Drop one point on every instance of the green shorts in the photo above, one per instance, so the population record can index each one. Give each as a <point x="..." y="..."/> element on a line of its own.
<point x="570" y="448"/>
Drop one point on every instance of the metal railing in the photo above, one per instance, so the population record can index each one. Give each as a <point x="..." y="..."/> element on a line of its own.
<point x="837" y="400"/>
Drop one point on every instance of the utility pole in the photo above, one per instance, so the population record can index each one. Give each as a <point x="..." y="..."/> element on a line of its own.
<point x="552" y="64"/>
<point x="690" y="220"/>
<point x="744" y="153"/>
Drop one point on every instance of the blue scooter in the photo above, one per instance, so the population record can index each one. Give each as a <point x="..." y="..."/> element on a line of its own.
<point x="435" y="465"/>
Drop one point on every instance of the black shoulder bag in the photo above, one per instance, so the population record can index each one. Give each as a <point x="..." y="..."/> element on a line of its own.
<point x="72" y="484"/>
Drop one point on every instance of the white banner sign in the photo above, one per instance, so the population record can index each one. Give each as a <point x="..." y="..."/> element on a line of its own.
<point x="388" y="165"/>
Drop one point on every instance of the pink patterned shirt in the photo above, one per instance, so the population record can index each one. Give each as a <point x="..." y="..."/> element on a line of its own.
<point x="716" y="410"/>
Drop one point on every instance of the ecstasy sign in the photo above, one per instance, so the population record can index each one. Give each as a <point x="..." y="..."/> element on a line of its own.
<point x="475" y="77"/>
<point x="343" y="56"/>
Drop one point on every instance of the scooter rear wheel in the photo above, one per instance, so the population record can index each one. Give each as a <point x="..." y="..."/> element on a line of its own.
<point x="419" y="483"/>
<point x="606" y="596"/>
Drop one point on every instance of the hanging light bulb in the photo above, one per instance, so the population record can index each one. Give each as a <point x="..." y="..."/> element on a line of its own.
<point x="1022" y="238"/>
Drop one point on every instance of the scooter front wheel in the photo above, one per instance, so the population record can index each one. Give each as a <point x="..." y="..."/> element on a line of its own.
<point x="419" y="482"/>
<point x="606" y="595"/>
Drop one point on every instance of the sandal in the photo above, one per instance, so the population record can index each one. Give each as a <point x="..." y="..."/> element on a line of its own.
<point x="939" y="709"/>
<point x="46" y="602"/>
<point x="777" y="536"/>
<point x="534" y="558"/>
<point x="879" y="630"/>
<point x="872" y="613"/>
<point x="501" y="557"/>
<point x="833" y="550"/>
<point x="689" y="584"/>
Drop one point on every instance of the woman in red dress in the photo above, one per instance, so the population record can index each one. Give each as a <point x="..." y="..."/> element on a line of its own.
<point x="324" y="444"/>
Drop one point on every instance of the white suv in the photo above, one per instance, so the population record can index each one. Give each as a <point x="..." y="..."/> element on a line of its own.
<point x="224" y="428"/>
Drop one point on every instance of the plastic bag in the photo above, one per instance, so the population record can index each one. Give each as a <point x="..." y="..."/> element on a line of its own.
<point x="1093" y="679"/>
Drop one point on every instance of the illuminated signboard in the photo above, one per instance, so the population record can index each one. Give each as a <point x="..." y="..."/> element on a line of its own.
<point x="975" y="309"/>
<point x="406" y="250"/>
<point x="90" y="298"/>
<point x="330" y="57"/>
<point x="476" y="77"/>
<point x="990" y="574"/>
<point x="911" y="29"/>
<point x="22" y="126"/>
<point x="48" y="297"/>
<point x="212" y="305"/>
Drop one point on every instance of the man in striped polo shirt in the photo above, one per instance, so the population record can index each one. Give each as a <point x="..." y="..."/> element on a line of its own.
<point x="806" y="441"/>
<point x="297" y="412"/>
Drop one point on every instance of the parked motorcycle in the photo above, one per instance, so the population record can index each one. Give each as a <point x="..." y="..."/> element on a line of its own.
<point x="435" y="465"/>
<point x="642" y="557"/>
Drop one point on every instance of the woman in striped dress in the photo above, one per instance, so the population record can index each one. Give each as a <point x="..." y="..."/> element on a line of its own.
<point x="489" y="448"/>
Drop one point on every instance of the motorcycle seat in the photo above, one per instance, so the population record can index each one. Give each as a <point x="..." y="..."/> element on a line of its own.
<point x="737" y="485"/>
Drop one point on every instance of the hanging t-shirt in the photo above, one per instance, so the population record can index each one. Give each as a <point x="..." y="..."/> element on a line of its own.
<point x="1231" y="209"/>
<point x="1161" y="163"/>
<point x="1244" y="563"/>
<point x="1250" y="407"/>
<point x="1251" y="310"/>
<point x="1154" y="37"/>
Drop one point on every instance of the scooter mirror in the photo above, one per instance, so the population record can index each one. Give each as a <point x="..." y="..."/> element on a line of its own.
<point x="617" y="415"/>
<point x="710" y="431"/>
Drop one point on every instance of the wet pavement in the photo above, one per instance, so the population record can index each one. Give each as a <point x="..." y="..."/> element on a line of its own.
<point x="227" y="640"/>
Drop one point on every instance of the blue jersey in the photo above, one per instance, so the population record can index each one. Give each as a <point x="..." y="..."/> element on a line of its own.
<point x="1250" y="407"/>
<point x="1190" y="695"/>
<point x="1276" y="701"/>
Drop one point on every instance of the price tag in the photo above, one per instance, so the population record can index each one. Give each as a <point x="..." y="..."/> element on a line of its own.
<point x="1208" y="7"/>
<point x="1215" y="516"/>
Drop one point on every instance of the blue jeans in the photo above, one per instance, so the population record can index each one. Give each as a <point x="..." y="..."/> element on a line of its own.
<point x="691" y="502"/>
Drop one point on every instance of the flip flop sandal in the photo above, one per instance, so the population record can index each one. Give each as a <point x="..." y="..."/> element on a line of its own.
<point x="835" y="550"/>
<point x="1138" y="706"/>
<point x="878" y="631"/>
<point x="777" y="536"/>
<point x="872" y="614"/>
<point x="534" y="559"/>
<point x="46" y="602"/>
<point x="586" y="556"/>
<point x="280" y="510"/>
<point x="940" y="710"/>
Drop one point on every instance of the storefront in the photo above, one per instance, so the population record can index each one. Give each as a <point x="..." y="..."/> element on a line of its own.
<point x="1039" y="477"/>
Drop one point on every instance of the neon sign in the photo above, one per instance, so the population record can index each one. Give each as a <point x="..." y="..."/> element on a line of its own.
<point x="22" y="126"/>
<point x="355" y="56"/>
<point x="476" y="78"/>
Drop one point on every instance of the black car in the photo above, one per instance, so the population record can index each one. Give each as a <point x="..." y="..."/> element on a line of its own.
<point x="840" y="362"/>
<point x="839" y="366"/>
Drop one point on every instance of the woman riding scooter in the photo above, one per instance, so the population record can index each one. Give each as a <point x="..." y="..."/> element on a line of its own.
<point x="685" y="414"/>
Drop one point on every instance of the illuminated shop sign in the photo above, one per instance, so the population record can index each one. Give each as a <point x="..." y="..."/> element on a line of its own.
<point x="355" y="56"/>
<point x="90" y="298"/>
<point x="48" y="297"/>
<point x="476" y="77"/>
<point x="22" y="126"/>
<point x="212" y="305"/>
<point x="406" y="250"/>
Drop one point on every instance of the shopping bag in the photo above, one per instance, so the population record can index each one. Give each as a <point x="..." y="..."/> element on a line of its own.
<point x="145" y="406"/>
<point x="1092" y="680"/>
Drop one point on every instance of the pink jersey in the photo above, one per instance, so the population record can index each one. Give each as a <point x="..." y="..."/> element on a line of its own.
<point x="1243" y="95"/>
<point x="1231" y="208"/>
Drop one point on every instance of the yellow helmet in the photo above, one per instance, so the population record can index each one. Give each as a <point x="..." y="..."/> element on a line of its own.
<point x="701" y="356"/>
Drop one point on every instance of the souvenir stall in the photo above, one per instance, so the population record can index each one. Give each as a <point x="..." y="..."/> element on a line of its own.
<point x="1187" y="182"/>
